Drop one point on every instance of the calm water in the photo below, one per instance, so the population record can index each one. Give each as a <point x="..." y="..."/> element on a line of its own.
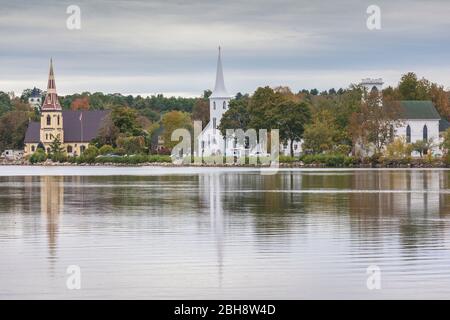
<point x="199" y="233"/>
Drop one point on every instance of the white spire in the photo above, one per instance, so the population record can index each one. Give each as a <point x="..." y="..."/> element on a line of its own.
<point x="219" y="90"/>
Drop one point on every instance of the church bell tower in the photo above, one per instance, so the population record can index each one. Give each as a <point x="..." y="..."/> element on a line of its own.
<point x="51" y="114"/>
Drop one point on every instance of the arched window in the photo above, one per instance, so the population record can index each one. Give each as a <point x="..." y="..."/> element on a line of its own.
<point x="69" y="149"/>
<point x="408" y="134"/>
<point x="82" y="149"/>
<point x="425" y="133"/>
<point x="33" y="148"/>
<point x="59" y="120"/>
<point x="224" y="105"/>
<point x="374" y="89"/>
<point x="214" y="105"/>
<point x="49" y="120"/>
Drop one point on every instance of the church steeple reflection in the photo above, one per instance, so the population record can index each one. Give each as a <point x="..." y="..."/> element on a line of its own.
<point x="211" y="186"/>
<point x="52" y="206"/>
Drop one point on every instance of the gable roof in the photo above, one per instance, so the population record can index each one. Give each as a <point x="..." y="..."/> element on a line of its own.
<point x="89" y="124"/>
<point x="423" y="110"/>
<point x="33" y="132"/>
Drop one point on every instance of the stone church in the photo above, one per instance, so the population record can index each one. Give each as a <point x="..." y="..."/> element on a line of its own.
<point x="74" y="129"/>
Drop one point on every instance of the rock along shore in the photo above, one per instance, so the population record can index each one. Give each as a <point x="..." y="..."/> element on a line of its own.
<point x="413" y="164"/>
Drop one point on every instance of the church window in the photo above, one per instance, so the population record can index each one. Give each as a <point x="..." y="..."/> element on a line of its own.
<point x="408" y="134"/>
<point x="425" y="133"/>
<point x="214" y="105"/>
<point x="59" y="120"/>
<point x="214" y="123"/>
<point x="224" y="105"/>
<point x="69" y="149"/>
<point x="49" y="120"/>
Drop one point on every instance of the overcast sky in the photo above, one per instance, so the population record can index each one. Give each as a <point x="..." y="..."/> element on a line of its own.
<point x="171" y="46"/>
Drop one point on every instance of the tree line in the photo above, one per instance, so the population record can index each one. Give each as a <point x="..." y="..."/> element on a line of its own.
<point x="331" y="121"/>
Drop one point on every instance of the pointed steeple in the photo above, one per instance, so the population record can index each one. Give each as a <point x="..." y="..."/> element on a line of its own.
<point x="219" y="90"/>
<point x="51" y="102"/>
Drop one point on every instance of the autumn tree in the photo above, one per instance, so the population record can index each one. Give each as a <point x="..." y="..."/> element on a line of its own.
<point x="374" y="123"/>
<point x="108" y="132"/>
<point x="81" y="103"/>
<point x="200" y="111"/>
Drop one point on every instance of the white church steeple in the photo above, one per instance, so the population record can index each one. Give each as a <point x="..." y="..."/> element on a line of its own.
<point x="219" y="99"/>
<point x="219" y="90"/>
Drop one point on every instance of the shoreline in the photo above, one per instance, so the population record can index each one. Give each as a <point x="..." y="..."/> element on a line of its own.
<point x="294" y="165"/>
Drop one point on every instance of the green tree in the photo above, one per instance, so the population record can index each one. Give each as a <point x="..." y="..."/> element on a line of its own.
<point x="5" y="103"/>
<point x="292" y="118"/>
<point x="174" y="120"/>
<point x="57" y="151"/>
<point x="322" y="134"/>
<point x="236" y="117"/>
<point x="13" y="126"/>
<point x="125" y="119"/>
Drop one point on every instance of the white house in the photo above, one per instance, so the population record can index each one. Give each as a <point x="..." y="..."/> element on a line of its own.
<point x="419" y="120"/>
<point x="35" y="99"/>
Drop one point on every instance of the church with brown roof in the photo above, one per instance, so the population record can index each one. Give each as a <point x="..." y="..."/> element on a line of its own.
<point x="74" y="129"/>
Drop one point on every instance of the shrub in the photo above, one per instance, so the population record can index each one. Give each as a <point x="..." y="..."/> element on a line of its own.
<point x="119" y="151"/>
<point x="38" y="156"/>
<point x="330" y="160"/>
<point x="131" y="145"/>
<point x="106" y="149"/>
<point x="58" y="157"/>
<point x="287" y="159"/>
<point x="88" y="155"/>
<point x="398" y="149"/>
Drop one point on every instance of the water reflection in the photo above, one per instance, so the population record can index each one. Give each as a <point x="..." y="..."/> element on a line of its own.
<point x="211" y="192"/>
<point x="52" y="207"/>
<point x="297" y="234"/>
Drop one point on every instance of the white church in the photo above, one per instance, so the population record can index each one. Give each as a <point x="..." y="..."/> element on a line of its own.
<point x="210" y="141"/>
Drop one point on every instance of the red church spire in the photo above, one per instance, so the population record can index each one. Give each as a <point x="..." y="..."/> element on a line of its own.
<point x="51" y="102"/>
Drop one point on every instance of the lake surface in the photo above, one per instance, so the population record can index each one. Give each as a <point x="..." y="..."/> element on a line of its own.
<point x="197" y="233"/>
